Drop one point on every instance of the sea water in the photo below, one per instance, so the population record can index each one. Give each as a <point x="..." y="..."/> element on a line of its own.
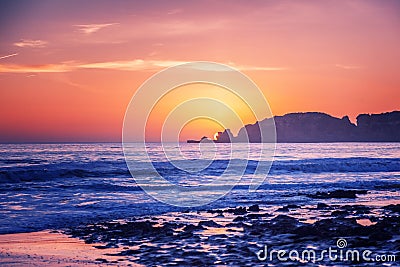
<point x="46" y="186"/>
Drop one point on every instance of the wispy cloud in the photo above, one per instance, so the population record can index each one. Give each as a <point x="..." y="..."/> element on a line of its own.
<point x="49" y="68"/>
<point x="175" y="11"/>
<point x="133" y="65"/>
<point x="128" y="65"/>
<point x="137" y="64"/>
<point x="258" y="68"/>
<point x="92" y="28"/>
<point x="10" y="55"/>
<point x="31" y="43"/>
<point x="140" y="64"/>
<point x="348" y="67"/>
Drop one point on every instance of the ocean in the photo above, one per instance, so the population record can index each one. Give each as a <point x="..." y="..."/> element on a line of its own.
<point x="51" y="186"/>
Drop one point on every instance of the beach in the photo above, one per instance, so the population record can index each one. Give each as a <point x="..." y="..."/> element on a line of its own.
<point x="77" y="204"/>
<point x="47" y="248"/>
<point x="200" y="133"/>
<point x="231" y="237"/>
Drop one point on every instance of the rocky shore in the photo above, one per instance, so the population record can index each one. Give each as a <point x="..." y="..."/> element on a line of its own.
<point x="234" y="236"/>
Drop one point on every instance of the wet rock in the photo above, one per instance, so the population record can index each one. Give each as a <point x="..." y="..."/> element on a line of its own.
<point x="283" y="219"/>
<point x="172" y="225"/>
<point x="209" y="224"/>
<point x="186" y="234"/>
<point x="389" y="225"/>
<point x="337" y="213"/>
<point x="90" y="240"/>
<point x="305" y="231"/>
<point x="322" y="206"/>
<point x="392" y="207"/>
<point x="387" y="186"/>
<point x="258" y="215"/>
<point x="389" y="222"/>
<point x="191" y="228"/>
<point x="288" y="207"/>
<point x="239" y="219"/>
<point x="128" y="252"/>
<point x="338" y="194"/>
<point x="215" y="211"/>
<point x="358" y="209"/>
<point x="254" y="208"/>
<point x="109" y="245"/>
<point x="133" y="228"/>
<point x="283" y="209"/>
<point x="338" y="227"/>
<point x="364" y="210"/>
<point x="257" y="226"/>
<point x="282" y="224"/>
<point x="220" y="215"/>
<point x="237" y="211"/>
<point x="234" y="224"/>
<point x="168" y="245"/>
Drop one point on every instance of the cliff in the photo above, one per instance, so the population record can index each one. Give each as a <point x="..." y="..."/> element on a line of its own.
<point x="383" y="127"/>
<point x="319" y="127"/>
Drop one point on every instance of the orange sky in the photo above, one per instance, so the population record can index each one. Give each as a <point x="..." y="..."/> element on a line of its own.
<point x="69" y="69"/>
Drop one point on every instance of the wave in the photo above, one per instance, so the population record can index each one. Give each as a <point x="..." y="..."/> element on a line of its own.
<point x="328" y="165"/>
<point x="118" y="169"/>
<point x="335" y="165"/>
<point x="47" y="172"/>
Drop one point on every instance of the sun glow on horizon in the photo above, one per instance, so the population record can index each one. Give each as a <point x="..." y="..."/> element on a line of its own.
<point x="73" y="82"/>
<point x="216" y="136"/>
<point x="214" y="109"/>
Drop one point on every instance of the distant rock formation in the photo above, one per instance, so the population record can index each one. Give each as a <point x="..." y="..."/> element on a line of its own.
<point x="315" y="127"/>
<point x="224" y="137"/>
<point x="383" y="127"/>
<point x="204" y="139"/>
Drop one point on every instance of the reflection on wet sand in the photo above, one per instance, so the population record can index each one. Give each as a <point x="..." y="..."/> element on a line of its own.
<point x="50" y="249"/>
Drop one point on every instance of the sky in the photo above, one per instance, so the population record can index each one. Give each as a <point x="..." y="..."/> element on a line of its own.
<point x="68" y="69"/>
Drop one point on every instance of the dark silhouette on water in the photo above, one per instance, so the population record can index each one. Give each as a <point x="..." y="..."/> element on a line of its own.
<point x="203" y="139"/>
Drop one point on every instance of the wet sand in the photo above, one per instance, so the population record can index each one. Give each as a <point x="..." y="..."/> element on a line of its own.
<point x="50" y="249"/>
